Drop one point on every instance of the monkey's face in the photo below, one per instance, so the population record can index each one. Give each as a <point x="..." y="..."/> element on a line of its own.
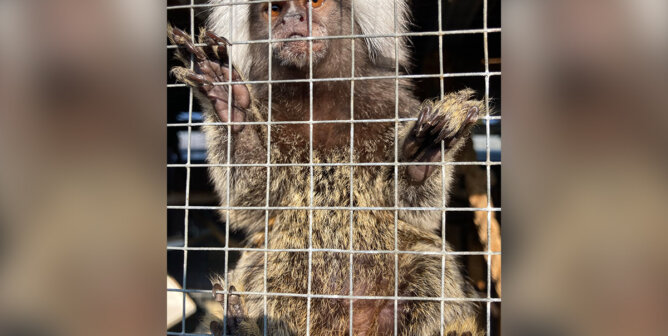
<point x="290" y="20"/>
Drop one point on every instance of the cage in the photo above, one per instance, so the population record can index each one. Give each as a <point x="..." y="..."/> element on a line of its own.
<point x="454" y="44"/>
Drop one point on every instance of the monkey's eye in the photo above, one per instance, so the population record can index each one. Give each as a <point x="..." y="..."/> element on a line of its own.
<point x="275" y="10"/>
<point x="317" y="3"/>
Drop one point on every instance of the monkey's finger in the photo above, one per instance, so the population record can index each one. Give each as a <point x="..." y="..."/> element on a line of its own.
<point x="182" y="39"/>
<point x="473" y="115"/>
<point x="216" y="44"/>
<point x="238" y="115"/>
<point x="240" y="94"/>
<point x="235" y="313"/>
<point x="219" y="297"/>
<point x="179" y="53"/>
<point x="421" y="125"/>
<point x="461" y="131"/>
<point x="219" y="39"/>
<point x="217" y="47"/>
<point x="411" y="146"/>
<point x="438" y="124"/>
<point x="190" y="78"/>
<point x="216" y="328"/>
<point x="444" y="134"/>
<point x="432" y="126"/>
<point x="200" y="79"/>
<point x="214" y="70"/>
<point x="422" y="115"/>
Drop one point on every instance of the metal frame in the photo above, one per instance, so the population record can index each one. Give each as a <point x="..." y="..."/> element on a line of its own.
<point x="487" y="74"/>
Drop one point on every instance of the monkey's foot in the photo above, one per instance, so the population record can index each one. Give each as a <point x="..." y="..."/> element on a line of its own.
<point x="454" y="333"/>
<point x="466" y="327"/>
<point x="236" y="318"/>
<point x="211" y="69"/>
<point x="448" y="121"/>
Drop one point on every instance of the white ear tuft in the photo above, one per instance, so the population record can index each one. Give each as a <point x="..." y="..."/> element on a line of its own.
<point x="232" y="22"/>
<point x="384" y="17"/>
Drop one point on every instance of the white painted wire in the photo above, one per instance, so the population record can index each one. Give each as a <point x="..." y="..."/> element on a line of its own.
<point x="353" y="79"/>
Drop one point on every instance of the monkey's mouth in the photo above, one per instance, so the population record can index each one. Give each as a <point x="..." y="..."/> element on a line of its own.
<point x="301" y="45"/>
<point x="295" y="49"/>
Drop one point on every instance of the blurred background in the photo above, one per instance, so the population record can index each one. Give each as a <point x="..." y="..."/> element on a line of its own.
<point x="82" y="177"/>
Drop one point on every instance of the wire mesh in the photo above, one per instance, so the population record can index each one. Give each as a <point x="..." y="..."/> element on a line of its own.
<point x="190" y="125"/>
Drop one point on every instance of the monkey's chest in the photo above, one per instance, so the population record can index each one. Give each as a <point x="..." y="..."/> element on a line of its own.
<point x="330" y="133"/>
<point x="326" y="223"/>
<point x="341" y="204"/>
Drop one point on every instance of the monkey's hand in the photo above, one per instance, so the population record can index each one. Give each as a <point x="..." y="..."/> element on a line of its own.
<point x="211" y="69"/>
<point x="449" y="121"/>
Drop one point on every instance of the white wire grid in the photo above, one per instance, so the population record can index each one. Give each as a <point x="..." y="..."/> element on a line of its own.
<point x="353" y="79"/>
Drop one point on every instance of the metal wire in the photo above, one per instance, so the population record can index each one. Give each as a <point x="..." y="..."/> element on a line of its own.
<point x="267" y="208"/>
<point x="348" y="79"/>
<point x="489" y="173"/>
<point x="352" y="175"/>
<point x="267" y="196"/>
<point x="187" y="199"/>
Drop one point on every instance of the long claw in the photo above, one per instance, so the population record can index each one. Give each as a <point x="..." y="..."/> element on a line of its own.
<point x="220" y="297"/>
<point x="472" y="116"/>
<point x="220" y="40"/>
<point x="197" y="78"/>
<point x="438" y="124"/>
<point x="183" y="39"/>
<point x="442" y="135"/>
<point x="217" y="45"/>
<point x="425" y="110"/>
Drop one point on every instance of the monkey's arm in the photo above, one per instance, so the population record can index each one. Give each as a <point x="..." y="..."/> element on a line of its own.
<point x="448" y="121"/>
<point x="236" y="144"/>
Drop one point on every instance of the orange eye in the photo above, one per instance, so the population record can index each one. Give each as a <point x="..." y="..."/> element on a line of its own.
<point x="275" y="10"/>
<point x="317" y="3"/>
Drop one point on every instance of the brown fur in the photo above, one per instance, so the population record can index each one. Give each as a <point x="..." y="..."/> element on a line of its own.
<point x="373" y="186"/>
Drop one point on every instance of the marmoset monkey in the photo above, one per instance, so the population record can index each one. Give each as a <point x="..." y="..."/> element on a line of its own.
<point x="316" y="213"/>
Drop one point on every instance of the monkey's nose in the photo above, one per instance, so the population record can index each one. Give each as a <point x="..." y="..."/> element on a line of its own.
<point x="293" y="17"/>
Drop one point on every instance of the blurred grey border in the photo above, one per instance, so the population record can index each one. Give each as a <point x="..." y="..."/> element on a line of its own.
<point x="82" y="177"/>
<point x="82" y="152"/>
<point x="584" y="94"/>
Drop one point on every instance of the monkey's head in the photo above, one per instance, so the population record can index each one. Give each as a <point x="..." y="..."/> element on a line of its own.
<point x="290" y="20"/>
<point x="240" y="21"/>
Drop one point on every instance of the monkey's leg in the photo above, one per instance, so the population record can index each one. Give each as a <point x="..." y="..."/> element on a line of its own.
<point x="420" y="276"/>
<point x="449" y="121"/>
<point x="210" y="71"/>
